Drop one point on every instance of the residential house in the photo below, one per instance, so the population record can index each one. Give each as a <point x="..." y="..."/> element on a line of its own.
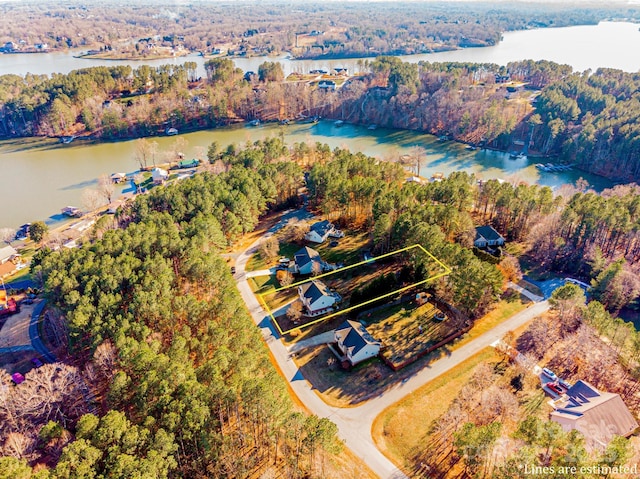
<point x="327" y="85"/>
<point x="355" y="342"/>
<point x="159" y="176"/>
<point x="320" y="231"/>
<point x="597" y="415"/>
<point x="307" y="261"/>
<point x="7" y="253"/>
<point x="316" y="298"/>
<point x="487" y="236"/>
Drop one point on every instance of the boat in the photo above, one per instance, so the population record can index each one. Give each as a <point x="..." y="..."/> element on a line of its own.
<point x="338" y="123"/>
<point x="255" y="122"/>
<point x="71" y="211"/>
<point x="513" y="155"/>
<point x="171" y="131"/>
<point x="67" y="139"/>
<point x="373" y="126"/>
<point x="470" y="147"/>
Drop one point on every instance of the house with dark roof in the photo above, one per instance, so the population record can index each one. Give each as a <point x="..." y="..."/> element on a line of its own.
<point x="597" y="415"/>
<point x="307" y="261"/>
<point x="327" y="85"/>
<point x="317" y="298"/>
<point x="355" y="342"/>
<point x="487" y="236"/>
<point x="321" y="230"/>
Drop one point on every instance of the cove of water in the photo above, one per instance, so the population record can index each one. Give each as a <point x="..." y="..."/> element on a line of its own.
<point x="42" y="175"/>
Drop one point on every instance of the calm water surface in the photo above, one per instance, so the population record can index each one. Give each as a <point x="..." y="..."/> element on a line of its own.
<point x="608" y="44"/>
<point x="46" y="175"/>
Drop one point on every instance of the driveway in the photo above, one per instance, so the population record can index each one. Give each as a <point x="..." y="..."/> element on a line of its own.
<point x="354" y="424"/>
<point x="547" y="286"/>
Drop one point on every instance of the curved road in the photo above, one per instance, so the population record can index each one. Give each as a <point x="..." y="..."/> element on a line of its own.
<point x="36" y="342"/>
<point x="354" y="424"/>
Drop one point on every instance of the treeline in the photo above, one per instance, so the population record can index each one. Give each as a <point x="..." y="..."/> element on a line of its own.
<point x="355" y="190"/>
<point x="341" y="30"/>
<point x="192" y="390"/>
<point x="583" y="234"/>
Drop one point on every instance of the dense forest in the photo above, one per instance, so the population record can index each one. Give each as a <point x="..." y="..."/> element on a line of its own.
<point x="588" y="119"/>
<point x="177" y="366"/>
<point x="302" y="28"/>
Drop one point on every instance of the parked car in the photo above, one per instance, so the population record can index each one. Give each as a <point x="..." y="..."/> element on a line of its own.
<point x="36" y="362"/>
<point x="233" y="270"/>
<point x="17" y="378"/>
<point x="554" y="387"/>
<point x="333" y="243"/>
<point x="550" y="374"/>
<point x="564" y="383"/>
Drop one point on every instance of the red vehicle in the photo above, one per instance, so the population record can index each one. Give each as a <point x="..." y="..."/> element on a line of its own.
<point x="11" y="307"/>
<point x="554" y="387"/>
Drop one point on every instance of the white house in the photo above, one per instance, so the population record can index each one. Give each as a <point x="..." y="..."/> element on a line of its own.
<point x="321" y="230"/>
<point x="307" y="261"/>
<point x="7" y="253"/>
<point x="598" y="415"/>
<point x="159" y="176"/>
<point x="487" y="236"/>
<point x="316" y="298"/>
<point x="355" y="342"/>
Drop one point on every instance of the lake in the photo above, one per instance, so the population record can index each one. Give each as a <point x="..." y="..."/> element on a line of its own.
<point x="608" y="44"/>
<point x="42" y="175"/>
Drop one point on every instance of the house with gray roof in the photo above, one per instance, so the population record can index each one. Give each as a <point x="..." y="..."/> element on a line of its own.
<point x="316" y="298"/>
<point x="597" y="415"/>
<point x="486" y="236"/>
<point x="306" y="260"/>
<point x="6" y="253"/>
<point x="355" y="342"/>
<point x="321" y="230"/>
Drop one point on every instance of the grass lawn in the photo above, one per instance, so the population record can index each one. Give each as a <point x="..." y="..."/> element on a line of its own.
<point x="408" y="329"/>
<point x="390" y="429"/>
<point x="257" y="262"/>
<point x="501" y="312"/>
<point x="262" y="284"/>
<point x="348" y="251"/>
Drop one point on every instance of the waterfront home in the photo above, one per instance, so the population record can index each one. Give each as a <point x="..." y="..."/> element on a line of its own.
<point x="355" y="343"/>
<point x="327" y="85"/>
<point x="7" y="253"/>
<point x="316" y="298"/>
<point x="159" y="176"/>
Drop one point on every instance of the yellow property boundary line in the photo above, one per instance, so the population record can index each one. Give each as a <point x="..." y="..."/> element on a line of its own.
<point x="446" y="271"/>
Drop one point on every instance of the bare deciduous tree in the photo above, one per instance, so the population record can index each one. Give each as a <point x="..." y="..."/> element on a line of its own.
<point x="91" y="199"/>
<point x="106" y="188"/>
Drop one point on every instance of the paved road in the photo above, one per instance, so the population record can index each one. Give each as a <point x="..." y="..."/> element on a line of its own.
<point x="36" y="342"/>
<point x="354" y="424"/>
